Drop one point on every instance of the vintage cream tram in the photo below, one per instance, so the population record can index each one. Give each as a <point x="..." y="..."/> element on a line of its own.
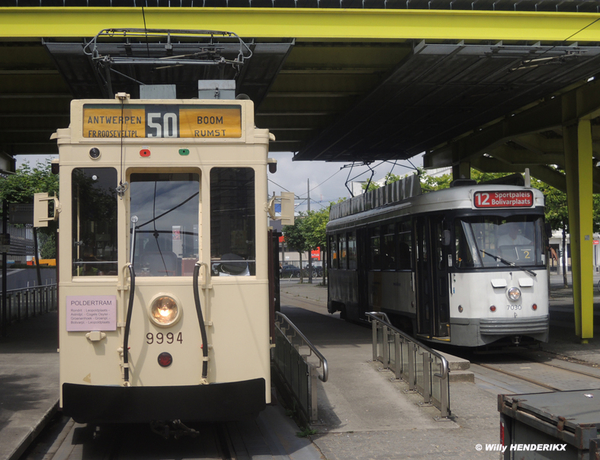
<point x="163" y="267"/>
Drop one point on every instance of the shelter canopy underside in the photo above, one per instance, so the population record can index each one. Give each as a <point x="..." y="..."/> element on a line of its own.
<point x="358" y="84"/>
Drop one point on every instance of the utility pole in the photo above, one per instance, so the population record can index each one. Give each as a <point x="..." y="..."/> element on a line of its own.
<point x="310" y="270"/>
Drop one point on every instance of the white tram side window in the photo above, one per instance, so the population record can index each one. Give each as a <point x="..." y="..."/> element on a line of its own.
<point x="232" y="222"/>
<point x="388" y="248"/>
<point x="404" y="246"/>
<point x="375" y="248"/>
<point x="352" y="255"/>
<point x="333" y="256"/>
<point x="167" y="208"/>
<point x="343" y="251"/>
<point x="497" y="241"/>
<point x="94" y="225"/>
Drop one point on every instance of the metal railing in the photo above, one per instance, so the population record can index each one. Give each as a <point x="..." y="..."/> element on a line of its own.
<point x="298" y="362"/>
<point x="30" y="301"/>
<point x="425" y="370"/>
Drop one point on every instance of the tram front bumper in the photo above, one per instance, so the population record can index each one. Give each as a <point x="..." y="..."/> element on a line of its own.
<point x="217" y="402"/>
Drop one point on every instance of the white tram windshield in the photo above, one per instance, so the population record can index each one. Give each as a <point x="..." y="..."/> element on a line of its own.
<point x="167" y="209"/>
<point x="498" y="241"/>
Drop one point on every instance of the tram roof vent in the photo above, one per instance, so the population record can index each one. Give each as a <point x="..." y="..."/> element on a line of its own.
<point x="158" y="92"/>
<point x="216" y="89"/>
<point x="462" y="182"/>
<point x="512" y="179"/>
<point x="392" y="193"/>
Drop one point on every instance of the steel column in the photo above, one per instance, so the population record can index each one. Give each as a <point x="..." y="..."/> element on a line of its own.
<point x="578" y="156"/>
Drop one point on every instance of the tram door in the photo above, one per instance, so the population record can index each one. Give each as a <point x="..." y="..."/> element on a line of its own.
<point x="433" y="297"/>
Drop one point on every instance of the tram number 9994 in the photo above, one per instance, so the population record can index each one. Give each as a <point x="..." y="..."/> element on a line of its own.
<point x="159" y="338"/>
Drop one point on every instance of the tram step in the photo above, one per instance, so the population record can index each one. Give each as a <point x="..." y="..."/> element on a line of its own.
<point x="461" y="376"/>
<point x="455" y="363"/>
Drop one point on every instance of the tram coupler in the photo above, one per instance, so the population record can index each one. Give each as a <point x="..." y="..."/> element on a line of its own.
<point x="175" y="428"/>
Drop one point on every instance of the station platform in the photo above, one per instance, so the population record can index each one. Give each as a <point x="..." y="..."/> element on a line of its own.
<point x="362" y="413"/>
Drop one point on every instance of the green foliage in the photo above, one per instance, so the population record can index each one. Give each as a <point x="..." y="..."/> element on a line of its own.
<point x="557" y="212"/>
<point x="308" y="231"/>
<point x="389" y="178"/>
<point x="431" y="183"/>
<point x="294" y="235"/>
<point x="20" y="187"/>
<point x="306" y="432"/>
<point x="47" y="244"/>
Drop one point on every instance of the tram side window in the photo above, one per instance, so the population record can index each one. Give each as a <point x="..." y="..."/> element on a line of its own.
<point x="94" y="224"/>
<point x="388" y="247"/>
<point x="375" y="248"/>
<point x="462" y="249"/>
<point x="333" y="256"/>
<point x="352" y="256"/>
<point x="166" y="206"/>
<point x="232" y="222"/>
<point x="343" y="253"/>
<point x="404" y="246"/>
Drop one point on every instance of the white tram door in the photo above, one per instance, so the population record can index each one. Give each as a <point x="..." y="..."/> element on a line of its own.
<point x="433" y="302"/>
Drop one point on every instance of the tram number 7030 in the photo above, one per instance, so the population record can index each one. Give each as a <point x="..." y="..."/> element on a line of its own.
<point x="159" y="338"/>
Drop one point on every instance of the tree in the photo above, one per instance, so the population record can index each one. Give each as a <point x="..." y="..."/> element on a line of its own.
<point x="295" y="238"/>
<point x="314" y="227"/>
<point x="307" y="233"/>
<point x="20" y="187"/>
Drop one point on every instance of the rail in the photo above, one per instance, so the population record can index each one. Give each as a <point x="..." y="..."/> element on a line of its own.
<point x="30" y="301"/>
<point x="399" y="352"/>
<point x="298" y="362"/>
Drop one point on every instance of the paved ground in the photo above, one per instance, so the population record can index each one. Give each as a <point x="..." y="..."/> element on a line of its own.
<point x="363" y="415"/>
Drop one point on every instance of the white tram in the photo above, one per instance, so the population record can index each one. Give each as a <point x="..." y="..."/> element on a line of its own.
<point x="464" y="266"/>
<point x="163" y="267"/>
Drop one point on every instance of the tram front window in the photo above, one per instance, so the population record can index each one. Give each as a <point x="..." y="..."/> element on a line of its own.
<point x="166" y="209"/>
<point x="496" y="241"/>
<point x="94" y="224"/>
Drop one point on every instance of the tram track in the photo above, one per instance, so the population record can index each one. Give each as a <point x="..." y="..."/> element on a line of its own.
<point x="546" y="371"/>
<point x="69" y="440"/>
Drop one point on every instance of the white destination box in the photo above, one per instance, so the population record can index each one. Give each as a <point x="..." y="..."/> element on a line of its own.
<point x="92" y="313"/>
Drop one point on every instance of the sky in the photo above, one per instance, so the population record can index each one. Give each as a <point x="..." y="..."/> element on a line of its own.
<point x="327" y="180"/>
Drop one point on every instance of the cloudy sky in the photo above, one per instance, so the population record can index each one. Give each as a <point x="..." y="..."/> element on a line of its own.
<point x="327" y="180"/>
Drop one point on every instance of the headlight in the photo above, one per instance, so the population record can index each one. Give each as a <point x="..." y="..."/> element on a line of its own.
<point x="164" y="310"/>
<point x="514" y="294"/>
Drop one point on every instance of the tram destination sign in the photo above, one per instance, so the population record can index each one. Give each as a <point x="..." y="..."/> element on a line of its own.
<point x="162" y="121"/>
<point x="503" y="199"/>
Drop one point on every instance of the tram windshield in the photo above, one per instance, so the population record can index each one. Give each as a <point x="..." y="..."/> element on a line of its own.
<point x="165" y="207"/>
<point x="497" y="241"/>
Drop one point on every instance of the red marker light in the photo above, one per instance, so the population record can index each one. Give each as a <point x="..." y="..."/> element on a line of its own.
<point x="145" y="153"/>
<point x="165" y="359"/>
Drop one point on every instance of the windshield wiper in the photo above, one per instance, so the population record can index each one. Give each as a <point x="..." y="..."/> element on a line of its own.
<point x="506" y="262"/>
